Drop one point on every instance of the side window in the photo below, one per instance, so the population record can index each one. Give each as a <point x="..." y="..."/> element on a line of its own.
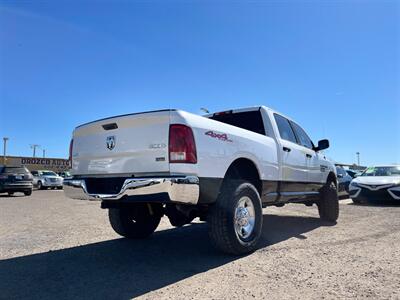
<point x="341" y="171"/>
<point x="285" y="130"/>
<point x="304" y="140"/>
<point x="34" y="173"/>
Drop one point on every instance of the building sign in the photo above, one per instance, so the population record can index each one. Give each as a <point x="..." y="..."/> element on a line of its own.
<point x="37" y="163"/>
<point x="44" y="161"/>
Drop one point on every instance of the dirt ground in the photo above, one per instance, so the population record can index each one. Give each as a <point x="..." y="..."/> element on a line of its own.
<point x="52" y="247"/>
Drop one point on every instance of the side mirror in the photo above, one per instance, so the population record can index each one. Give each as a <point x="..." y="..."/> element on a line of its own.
<point x="322" y="144"/>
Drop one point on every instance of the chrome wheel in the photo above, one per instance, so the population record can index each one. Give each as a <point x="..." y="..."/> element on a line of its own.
<point x="244" y="218"/>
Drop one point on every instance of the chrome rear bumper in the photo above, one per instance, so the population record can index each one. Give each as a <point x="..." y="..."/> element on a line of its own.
<point x="183" y="189"/>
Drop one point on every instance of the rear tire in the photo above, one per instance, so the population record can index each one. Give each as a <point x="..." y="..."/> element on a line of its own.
<point x="28" y="193"/>
<point x="328" y="204"/>
<point x="39" y="185"/>
<point x="136" y="222"/>
<point x="238" y="206"/>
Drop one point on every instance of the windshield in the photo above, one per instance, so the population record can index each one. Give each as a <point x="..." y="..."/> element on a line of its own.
<point x="382" y="171"/>
<point x="48" y="173"/>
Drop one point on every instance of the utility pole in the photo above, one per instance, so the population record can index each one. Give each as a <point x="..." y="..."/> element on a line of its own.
<point x="44" y="153"/>
<point x="34" y="146"/>
<point x="358" y="158"/>
<point x="5" y="139"/>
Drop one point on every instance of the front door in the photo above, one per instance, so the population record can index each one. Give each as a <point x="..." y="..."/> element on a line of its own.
<point x="312" y="157"/>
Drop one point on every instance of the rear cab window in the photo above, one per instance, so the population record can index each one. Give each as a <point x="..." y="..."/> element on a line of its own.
<point x="14" y="170"/>
<point x="249" y="120"/>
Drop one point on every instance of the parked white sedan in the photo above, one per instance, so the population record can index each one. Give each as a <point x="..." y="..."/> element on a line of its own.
<point x="376" y="183"/>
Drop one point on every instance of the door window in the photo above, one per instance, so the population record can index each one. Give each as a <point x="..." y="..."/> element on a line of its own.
<point x="304" y="140"/>
<point x="285" y="130"/>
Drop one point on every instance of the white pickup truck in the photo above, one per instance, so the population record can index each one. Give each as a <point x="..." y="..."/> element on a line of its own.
<point x="222" y="167"/>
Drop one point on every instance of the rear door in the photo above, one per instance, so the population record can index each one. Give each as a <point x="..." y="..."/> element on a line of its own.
<point x="294" y="160"/>
<point x="130" y="144"/>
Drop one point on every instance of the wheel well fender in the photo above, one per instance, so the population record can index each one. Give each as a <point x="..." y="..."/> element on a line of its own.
<point x="332" y="177"/>
<point x="245" y="169"/>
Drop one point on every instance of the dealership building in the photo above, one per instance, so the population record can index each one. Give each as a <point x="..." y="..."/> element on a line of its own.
<point x="37" y="163"/>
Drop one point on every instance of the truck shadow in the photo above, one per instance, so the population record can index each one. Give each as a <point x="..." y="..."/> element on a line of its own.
<point x="125" y="269"/>
<point x="378" y="203"/>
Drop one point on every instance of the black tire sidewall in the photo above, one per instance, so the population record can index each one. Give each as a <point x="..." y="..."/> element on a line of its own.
<point x="145" y="224"/>
<point x="222" y="223"/>
<point x="328" y="205"/>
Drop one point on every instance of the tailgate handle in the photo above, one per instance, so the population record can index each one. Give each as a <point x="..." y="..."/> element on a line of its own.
<point x="110" y="126"/>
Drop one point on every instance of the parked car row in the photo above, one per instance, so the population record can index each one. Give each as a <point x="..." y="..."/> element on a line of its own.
<point x="377" y="183"/>
<point x="15" y="179"/>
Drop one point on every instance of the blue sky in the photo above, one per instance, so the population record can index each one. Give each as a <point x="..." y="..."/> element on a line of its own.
<point x="332" y="66"/>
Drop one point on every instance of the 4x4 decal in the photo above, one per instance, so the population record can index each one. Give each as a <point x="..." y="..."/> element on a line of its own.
<point x="219" y="136"/>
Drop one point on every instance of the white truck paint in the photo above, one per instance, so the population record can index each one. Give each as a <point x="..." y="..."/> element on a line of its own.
<point x="141" y="138"/>
<point x="128" y="159"/>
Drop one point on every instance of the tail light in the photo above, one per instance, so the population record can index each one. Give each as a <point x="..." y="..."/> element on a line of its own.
<point x="182" y="148"/>
<point x="71" y="145"/>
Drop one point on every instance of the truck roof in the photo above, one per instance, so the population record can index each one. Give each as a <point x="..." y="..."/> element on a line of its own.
<point x="250" y="108"/>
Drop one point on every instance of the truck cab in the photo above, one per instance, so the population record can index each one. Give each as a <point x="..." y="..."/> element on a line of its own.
<point x="303" y="168"/>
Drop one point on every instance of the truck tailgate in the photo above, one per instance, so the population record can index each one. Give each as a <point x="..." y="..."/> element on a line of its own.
<point x="128" y="144"/>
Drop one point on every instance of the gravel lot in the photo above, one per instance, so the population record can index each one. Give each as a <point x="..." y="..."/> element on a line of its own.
<point x="52" y="247"/>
